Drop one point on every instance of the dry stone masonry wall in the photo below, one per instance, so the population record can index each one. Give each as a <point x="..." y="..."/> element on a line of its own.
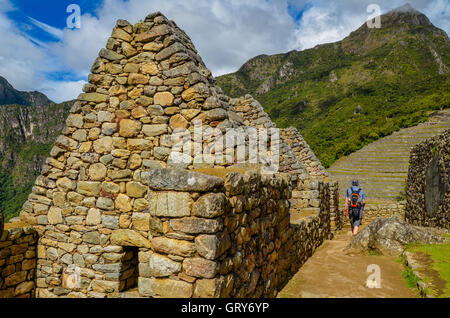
<point x="296" y="159"/>
<point x="234" y="238"/>
<point x="384" y="211"/>
<point x="115" y="213"/>
<point x="428" y="185"/>
<point x="18" y="262"/>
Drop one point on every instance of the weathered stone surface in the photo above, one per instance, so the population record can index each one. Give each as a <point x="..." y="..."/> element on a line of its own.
<point x="97" y="172"/>
<point x="141" y="221"/>
<point x="103" y="145"/>
<point x="153" y="46"/>
<point x="89" y="188"/>
<point x="193" y="225"/>
<point x="93" y="97"/>
<point x="119" y="33"/>
<point x="212" y="246"/>
<point x="54" y="215"/>
<point x="172" y="246"/>
<point x="93" y="217"/>
<point x="136" y="190"/>
<point x="156" y="31"/>
<point x="210" y="205"/>
<point x="161" y="266"/>
<point x="92" y="237"/>
<point x="200" y="267"/>
<point x="182" y="180"/>
<point x="178" y="121"/>
<point x="391" y="235"/>
<point x="110" y="222"/>
<point x="149" y="68"/>
<point x="135" y="78"/>
<point x="129" y="238"/>
<point x="129" y="128"/>
<point x="122" y="203"/>
<point x="154" y="130"/>
<point x="208" y="288"/>
<point x="75" y="120"/>
<point x="110" y="55"/>
<point x="170" y="204"/>
<point x="165" y="288"/>
<point x="163" y="99"/>
<point x="139" y="144"/>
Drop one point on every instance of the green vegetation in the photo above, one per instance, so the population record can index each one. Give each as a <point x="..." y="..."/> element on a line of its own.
<point x="345" y="95"/>
<point x="26" y="140"/>
<point x="374" y="252"/>
<point x="440" y="263"/>
<point x="411" y="280"/>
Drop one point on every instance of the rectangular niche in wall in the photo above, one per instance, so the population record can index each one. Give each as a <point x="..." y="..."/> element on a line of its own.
<point x="435" y="187"/>
<point x="129" y="271"/>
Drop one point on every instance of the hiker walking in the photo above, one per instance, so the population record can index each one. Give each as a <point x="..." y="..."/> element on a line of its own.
<point x="355" y="200"/>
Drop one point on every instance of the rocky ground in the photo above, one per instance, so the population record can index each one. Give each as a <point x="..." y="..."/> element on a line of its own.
<point x="332" y="273"/>
<point x="390" y="236"/>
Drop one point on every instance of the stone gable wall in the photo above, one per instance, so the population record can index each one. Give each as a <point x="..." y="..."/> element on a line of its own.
<point x="105" y="229"/>
<point x="428" y="185"/>
<point x="18" y="262"/>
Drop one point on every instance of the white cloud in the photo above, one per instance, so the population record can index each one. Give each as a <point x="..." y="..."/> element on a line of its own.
<point x="225" y="32"/>
<point x="62" y="90"/>
<point x="57" y="33"/>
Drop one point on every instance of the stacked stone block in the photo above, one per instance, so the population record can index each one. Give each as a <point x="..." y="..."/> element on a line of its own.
<point x="18" y="262"/>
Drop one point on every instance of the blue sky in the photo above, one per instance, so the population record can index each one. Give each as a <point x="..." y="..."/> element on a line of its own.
<point x="40" y="53"/>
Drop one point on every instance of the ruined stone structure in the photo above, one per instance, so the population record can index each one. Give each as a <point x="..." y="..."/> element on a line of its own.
<point x="298" y="160"/>
<point x="428" y="185"/>
<point x="18" y="262"/>
<point x="120" y="211"/>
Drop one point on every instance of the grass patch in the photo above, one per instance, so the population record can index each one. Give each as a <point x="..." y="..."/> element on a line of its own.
<point x="439" y="254"/>
<point x="409" y="277"/>
<point x="374" y="252"/>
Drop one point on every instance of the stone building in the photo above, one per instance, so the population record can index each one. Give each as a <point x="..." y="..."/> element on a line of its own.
<point x="117" y="212"/>
<point x="428" y="185"/>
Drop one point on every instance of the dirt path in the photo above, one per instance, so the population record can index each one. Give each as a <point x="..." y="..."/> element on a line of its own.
<point x="332" y="273"/>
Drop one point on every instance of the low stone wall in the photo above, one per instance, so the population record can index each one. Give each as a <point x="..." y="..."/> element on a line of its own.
<point x="371" y="212"/>
<point x="18" y="262"/>
<point x="383" y="211"/>
<point x="428" y="185"/>
<point x="235" y="240"/>
<point x="336" y="216"/>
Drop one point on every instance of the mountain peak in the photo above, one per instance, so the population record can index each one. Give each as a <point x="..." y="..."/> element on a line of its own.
<point x="405" y="14"/>
<point x="406" y="8"/>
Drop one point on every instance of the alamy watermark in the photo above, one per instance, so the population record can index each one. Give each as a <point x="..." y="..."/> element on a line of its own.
<point x="213" y="146"/>
<point x="74" y="19"/>
<point x="374" y="279"/>
<point x="72" y="277"/>
<point x="374" y="20"/>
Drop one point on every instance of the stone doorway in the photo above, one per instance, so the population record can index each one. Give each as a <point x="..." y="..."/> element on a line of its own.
<point x="129" y="269"/>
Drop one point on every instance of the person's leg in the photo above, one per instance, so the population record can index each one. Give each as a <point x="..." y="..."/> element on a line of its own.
<point x="355" y="230"/>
